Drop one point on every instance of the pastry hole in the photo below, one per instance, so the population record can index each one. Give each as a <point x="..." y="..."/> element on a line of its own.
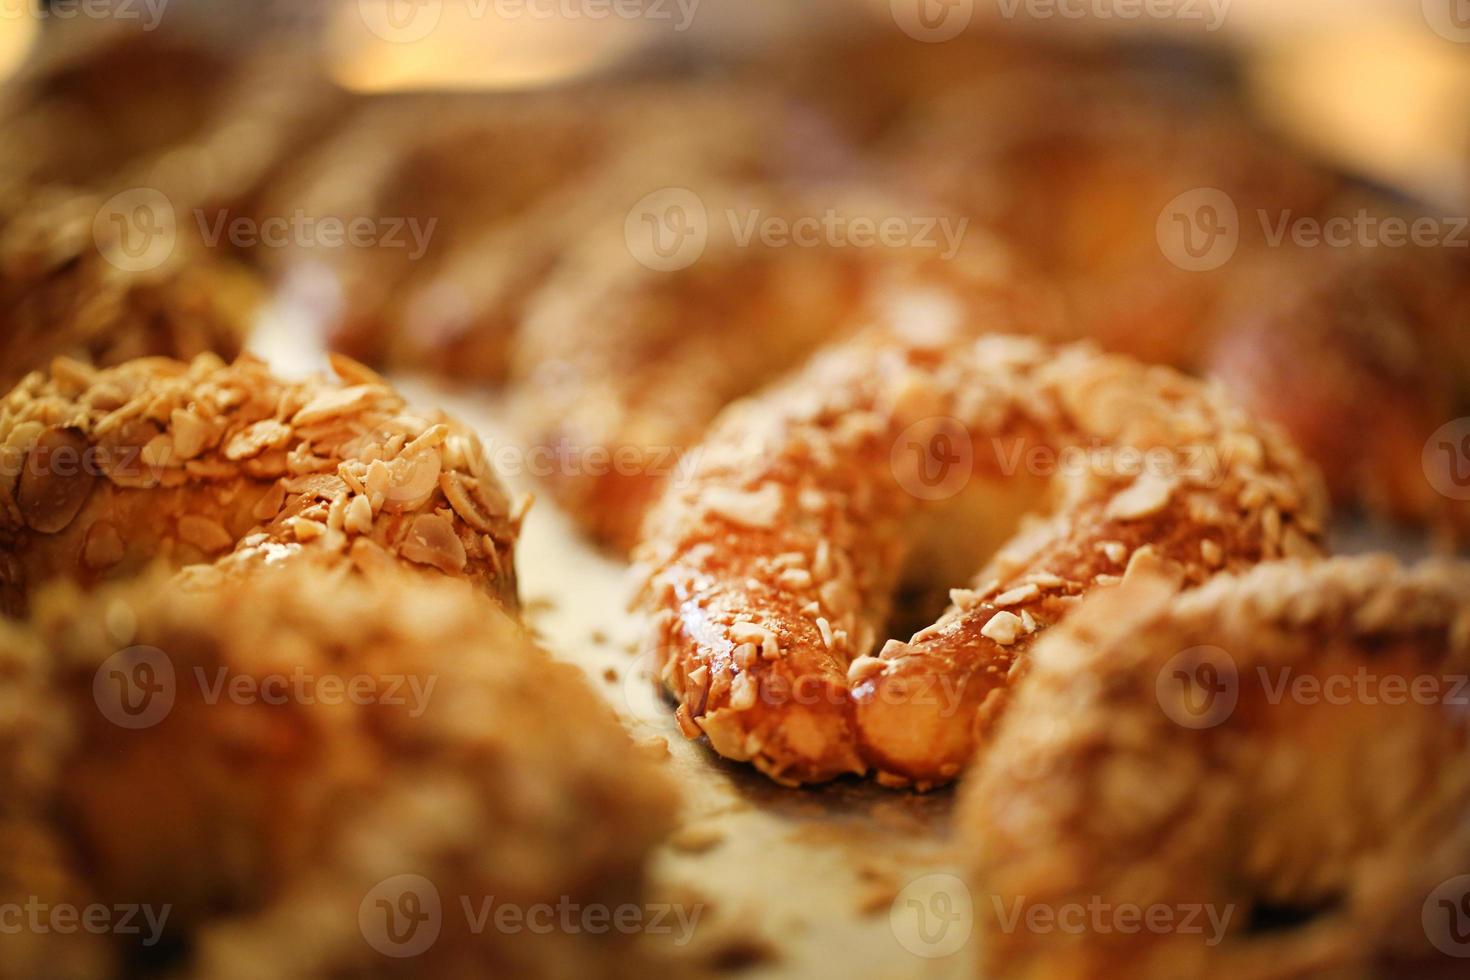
<point x="1274" y="917"/>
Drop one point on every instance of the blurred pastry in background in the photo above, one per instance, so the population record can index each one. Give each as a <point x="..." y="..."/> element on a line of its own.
<point x="488" y="192"/>
<point x="1361" y="353"/>
<point x="321" y="833"/>
<point x="1306" y="833"/>
<point x="74" y="283"/>
<point x="190" y="108"/>
<point x="624" y="364"/>
<point x="1165" y="219"/>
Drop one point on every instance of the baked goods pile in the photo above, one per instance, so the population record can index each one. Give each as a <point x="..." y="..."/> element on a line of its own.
<point x="1115" y="467"/>
<point x="309" y="692"/>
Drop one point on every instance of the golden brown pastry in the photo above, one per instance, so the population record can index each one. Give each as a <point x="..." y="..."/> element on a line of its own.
<point x="202" y="109"/>
<point x="1271" y="770"/>
<point x="61" y="295"/>
<point x="769" y="572"/>
<point x="384" y="758"/>
<point x="1361" y="353"/>
<point x="1166" y="220"/>
<point x="625" y="358"/>
<point x="487" y="192"/>
<point x="106" y="470"/>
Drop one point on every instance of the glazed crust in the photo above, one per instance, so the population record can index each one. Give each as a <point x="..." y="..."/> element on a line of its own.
<point x="106" y="470"/>
<point x="1343" y="813"/>
<point x="769" y="573"/>
<point x="450" y="749"/>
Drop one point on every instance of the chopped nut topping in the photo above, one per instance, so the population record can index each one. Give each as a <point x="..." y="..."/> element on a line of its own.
<point x="1003" y="628"/>
<point x="1017" y="595"/>
<point x="1148" y="495"/>
<point x="756" y="509"/>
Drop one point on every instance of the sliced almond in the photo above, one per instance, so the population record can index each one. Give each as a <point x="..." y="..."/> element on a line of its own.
<point x="55" y="482"/>
<point x="208" y="535"/>
<point x="256" y="439"/>
<point x="335" y="402"/>
<point x="432" y="541"/>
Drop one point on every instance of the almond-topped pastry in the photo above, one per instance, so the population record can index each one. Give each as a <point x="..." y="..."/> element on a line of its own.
<point x="311" y="774"/>
<point x="102" y="471"/>
<point x="769" y="573"/>
<point x="1275" y="765"/>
